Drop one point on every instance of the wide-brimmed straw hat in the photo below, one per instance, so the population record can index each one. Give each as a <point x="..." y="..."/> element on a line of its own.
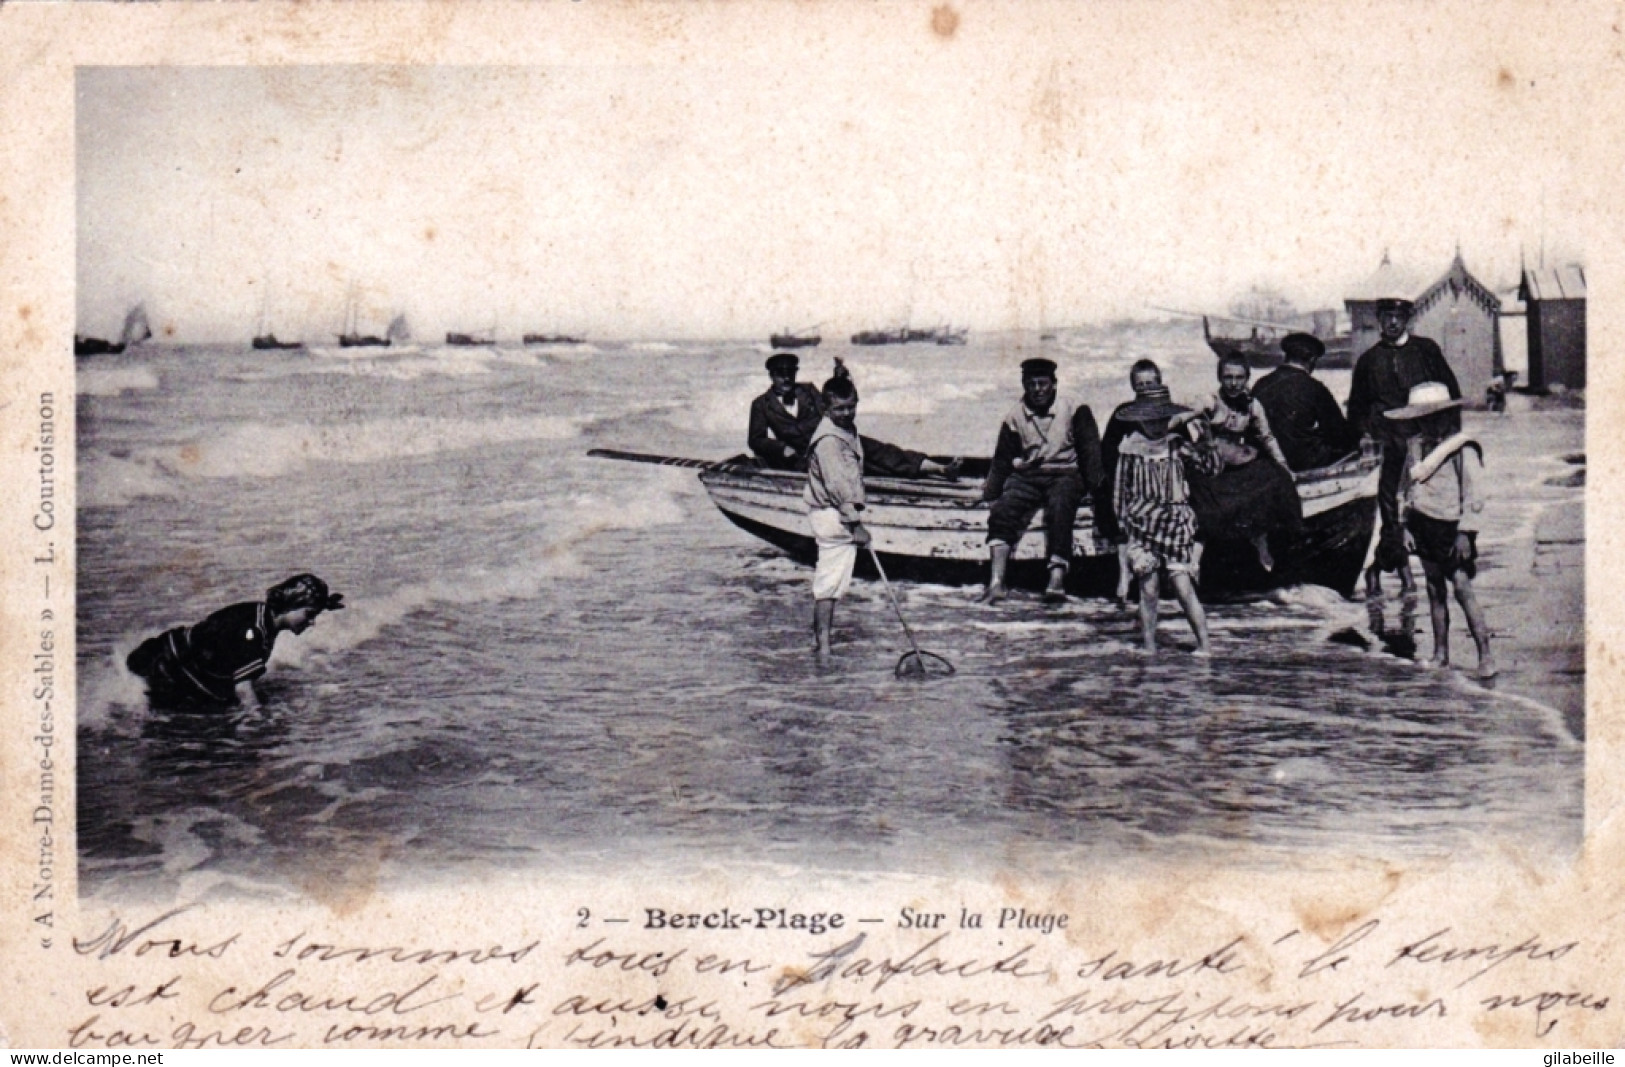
<point x="1425" y="399"/>
<point x="1153" y="404"/>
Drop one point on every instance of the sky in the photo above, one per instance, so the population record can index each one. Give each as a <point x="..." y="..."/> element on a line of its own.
<point x="1112" y="159"/>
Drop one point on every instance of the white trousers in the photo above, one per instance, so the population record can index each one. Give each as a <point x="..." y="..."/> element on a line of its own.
<point x="837" y="554"/>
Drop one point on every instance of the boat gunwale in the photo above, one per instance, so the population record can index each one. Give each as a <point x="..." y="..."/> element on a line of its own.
<point x="962" y="493"/>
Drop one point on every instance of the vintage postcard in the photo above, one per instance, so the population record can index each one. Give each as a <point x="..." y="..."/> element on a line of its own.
<point x="769" y="525"/>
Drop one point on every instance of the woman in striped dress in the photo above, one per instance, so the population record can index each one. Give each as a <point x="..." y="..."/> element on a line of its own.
<point x="1152" y="499"/>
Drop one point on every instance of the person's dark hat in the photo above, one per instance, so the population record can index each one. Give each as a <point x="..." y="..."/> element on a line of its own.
<point x="1303" y="346"/>
<point x="1152" y="404"/>
<point x="1037" y="368"/>
<point x="782" y="362"/>
<point x="1395" y="303"/>
<point x="302" y="591"/>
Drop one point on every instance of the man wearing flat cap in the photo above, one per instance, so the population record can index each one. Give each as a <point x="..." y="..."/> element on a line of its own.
<point x="200" y="667"/>
<point x="1383" y="379"/>
<point x="1047" y="456"/>
<point x="782" y="420"/>
<point x="1304" y="416"/>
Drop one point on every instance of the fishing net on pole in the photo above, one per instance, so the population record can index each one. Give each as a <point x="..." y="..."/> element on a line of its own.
<point x="914" y="663"/>
<point x="918" y="664"/>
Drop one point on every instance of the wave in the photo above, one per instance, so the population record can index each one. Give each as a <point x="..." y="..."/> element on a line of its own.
<point x="1316" y="598"/>
<point x="111" y="699"/>
<point x="109" y="481"/>
<point x="884" y="390"/>
<point x="109" y="696"/>
<point x="260" y="450"/>
<point x="112" y="381"/>
<point x="653" y="346"/>
<point x="364" y="352"/>
<point x="577" y="521"/>
<point x="393" y="363"/>
<point x="187" y="842"/>
<point x="719" y="410"/>
<point x="569" y="352"/>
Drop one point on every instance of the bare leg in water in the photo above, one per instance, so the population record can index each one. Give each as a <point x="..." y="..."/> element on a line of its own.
<point x="1439" y="611"/>
<point x="1149" y="606"/>
<point x="1185" y="590"/>
<point x="823" y="623"/>
<point x="1476" y="623"/>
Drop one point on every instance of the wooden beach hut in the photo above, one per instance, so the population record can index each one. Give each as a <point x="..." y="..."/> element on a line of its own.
<point x="1462" y="314"/>
<point x="1514" y="334"/>
<point x="1555" y="299"/>
<point x="1361" y="302"/>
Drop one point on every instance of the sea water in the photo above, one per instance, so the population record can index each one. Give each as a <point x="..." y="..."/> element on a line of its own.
<point x="552" y="662"/>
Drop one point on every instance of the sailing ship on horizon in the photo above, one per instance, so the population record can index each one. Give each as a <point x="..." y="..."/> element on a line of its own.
<point x="484" y="339"/>
<point x="352" y="337"/>
<point x="806" y="337"/>
<point x="908" y="335"/>
<point x="264" y="337"/>
<point x="136" y="330"/>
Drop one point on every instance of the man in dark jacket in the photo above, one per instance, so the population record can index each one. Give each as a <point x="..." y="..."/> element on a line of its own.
<point x="200" y="667"/>
<point x="1047" y="456"/>
<point x="1383" y="378"/>
<point x="1303" y="414"/>
<point x="782" y="420"/>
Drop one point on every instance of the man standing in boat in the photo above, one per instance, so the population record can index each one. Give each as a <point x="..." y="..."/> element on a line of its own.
<point x="1304" y="416"/>
<point x="1047" y="456"/>
<point x="1383" y="379"/>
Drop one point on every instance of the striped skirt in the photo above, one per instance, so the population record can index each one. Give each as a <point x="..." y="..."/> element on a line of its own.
<point x="1153" y="509"/>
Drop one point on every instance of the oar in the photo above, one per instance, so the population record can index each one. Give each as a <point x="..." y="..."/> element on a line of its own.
<point x="679" y="461"/>
<point x="915" y="662"/>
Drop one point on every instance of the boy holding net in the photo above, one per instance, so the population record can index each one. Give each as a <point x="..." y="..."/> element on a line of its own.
<point x="1441" y="504"/>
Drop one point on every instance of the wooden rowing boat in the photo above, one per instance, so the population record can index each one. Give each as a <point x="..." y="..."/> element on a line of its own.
<point x="1262" y="350"/>
<point x="935" y="530"/>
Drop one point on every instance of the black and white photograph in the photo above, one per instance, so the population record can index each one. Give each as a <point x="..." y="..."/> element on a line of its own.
<point x="940" y="452"/>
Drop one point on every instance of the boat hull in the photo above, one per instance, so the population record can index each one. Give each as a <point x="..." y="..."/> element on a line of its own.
<point x="880" y="337"/>
<point x="1266" y="355"/>
<point x="936" y="531"/>
<point x="95" y="346"/>
<point x="783" y="340"/>
<point x="268" y="342"/>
